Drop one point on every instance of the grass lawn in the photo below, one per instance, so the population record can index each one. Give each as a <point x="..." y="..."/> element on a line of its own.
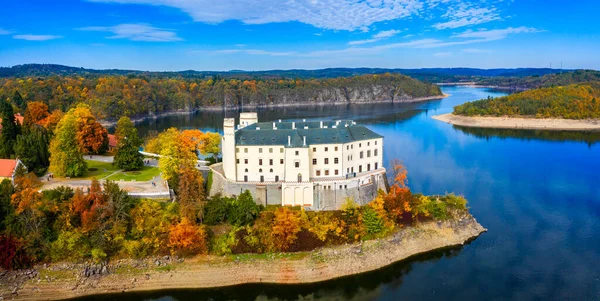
<point x="99" y="169"/>
<point x="143" y="175"/>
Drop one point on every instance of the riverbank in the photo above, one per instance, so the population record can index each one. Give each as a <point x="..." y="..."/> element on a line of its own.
<point x="553" y="124"/>
<point x="62" y="280"/>
<point x="138" y="119"/>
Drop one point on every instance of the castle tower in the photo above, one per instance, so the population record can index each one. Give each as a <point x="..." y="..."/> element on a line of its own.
<point x="247" y="119"/>
<point x="229" y="148"/>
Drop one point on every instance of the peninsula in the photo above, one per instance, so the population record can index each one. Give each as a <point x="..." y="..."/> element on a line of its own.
<point x="574" y="107"/>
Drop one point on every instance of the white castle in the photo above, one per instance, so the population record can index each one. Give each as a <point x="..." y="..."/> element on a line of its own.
<point x="315" y="164"/>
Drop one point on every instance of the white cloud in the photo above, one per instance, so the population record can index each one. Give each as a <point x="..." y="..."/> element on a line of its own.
<point x="465" y="16"/>
<point x="376" y="37"/>
<point x="326" y="14"/>
<point x="137" y="32"/>
<point x="474" y="50"/>
<point x="34" y="37"/>
<point x="495" y="34"/>
<point x="4" y="31"/>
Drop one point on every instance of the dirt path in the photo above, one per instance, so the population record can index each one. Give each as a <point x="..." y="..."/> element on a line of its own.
<point x="554" y="124"/>
<point x="59" y="281"/>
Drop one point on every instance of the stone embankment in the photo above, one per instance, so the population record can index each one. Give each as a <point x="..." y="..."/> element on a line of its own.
<point x="551" y="124"/>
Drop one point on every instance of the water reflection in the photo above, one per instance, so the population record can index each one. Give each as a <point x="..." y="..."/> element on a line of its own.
<point x="589" y="137"/>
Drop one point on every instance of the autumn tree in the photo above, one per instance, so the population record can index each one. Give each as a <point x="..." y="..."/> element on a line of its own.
<point x="286" y="226"/>
<point x="398" y="199"/>
<point x="66" y="155"/>
<point x="10" y="130"/>
<point x="190" y="194"/>
<point x="128" y="156"/>
<point x="35" y="113"/>
<point x="91" y="135"/>
<point x="52" y="120"/>
<point x="186" y="238"/>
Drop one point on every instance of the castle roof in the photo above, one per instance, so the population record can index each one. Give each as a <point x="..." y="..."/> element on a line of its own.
<point x="316" y="132"/>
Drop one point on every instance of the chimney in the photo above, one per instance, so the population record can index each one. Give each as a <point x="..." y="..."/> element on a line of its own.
<point x="289" y="140"/>
<point x="304" y="141"/>
<point x="293" y="125"/>
<point x="321" y="124"/>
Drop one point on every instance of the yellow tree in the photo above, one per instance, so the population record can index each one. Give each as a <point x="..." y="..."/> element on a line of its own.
<point x="91" y="135"/>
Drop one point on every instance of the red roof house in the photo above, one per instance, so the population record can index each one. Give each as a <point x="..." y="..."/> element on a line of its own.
<point x="112" y="141"/>
<point x="8" y="167"/>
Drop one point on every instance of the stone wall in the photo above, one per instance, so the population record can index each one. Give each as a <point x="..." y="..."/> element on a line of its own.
<point x="327" y="196"/>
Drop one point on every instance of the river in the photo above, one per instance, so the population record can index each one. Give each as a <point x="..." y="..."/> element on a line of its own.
<point x="538" y="193"/>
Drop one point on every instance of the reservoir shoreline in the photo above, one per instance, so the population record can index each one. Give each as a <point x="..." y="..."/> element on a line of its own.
<point x="138" y="119"/>
<point x="63" y="280"/>
<point x="552" y="124"/>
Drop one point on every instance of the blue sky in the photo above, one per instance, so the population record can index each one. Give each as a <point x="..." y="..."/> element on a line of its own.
<point x="166" y="35"/>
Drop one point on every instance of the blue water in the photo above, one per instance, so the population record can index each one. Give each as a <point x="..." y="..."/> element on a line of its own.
<point x="537" y="193"/>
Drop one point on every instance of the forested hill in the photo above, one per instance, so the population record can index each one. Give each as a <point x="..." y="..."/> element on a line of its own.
<point x="548" y="80"/>
<point x="577" y="101"/>
<point x="114" y="96"/>
<point x="433" y="75"/>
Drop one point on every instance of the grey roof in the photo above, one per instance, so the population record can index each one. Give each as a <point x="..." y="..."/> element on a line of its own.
<point x="263" y="133"/>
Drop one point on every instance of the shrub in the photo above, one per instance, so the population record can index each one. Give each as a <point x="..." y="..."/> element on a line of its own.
<point x="68" y="245"/>
<point x="286" y="226"/>
<point x="216" y="210"/>
<point x="12" y="254"/>
<point x="186" y="239"/>
<point x="223" y="244"/>
<point x="243" y="211"/>
<point x="373" y="223"/>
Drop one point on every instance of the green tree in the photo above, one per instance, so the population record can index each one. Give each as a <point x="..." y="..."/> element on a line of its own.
<point x="243" y="210"/>
<point x="10" y="130"/>
<point x="66" y="156"/>
<point x="32" y="149"/>
<point x="128" y="156"/>
<point x="18" y="101"/>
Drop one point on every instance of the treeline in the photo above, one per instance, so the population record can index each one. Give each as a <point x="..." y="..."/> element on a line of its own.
<point x="549" y="80"/>
<point x="578" y="101"/>
<point x="104" y="223"/>
<point x="111" y="97"/>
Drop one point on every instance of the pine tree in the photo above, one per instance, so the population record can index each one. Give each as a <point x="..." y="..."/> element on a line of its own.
<point x="10" y="130"/>
<point x="128" y="156"/>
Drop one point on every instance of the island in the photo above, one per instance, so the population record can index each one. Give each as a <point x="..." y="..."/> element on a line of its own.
<point x="574" y="107"/>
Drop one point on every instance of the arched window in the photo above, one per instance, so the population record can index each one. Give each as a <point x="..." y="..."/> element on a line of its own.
<point x="260" y="170"/>
<point x="271" y="170"/>
<point x="299" y="177"/>
<point x="246" y="170"/>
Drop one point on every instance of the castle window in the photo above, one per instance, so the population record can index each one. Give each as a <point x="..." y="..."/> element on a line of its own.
<point x="369" y="154"/>
<point x="352" y="146"/>
<point x="237" y="149"/>
<point x="260" y="150"/>
<point x="347" y="147"/>
<point x="368" y="167"/>
<point x="314" y="149"/>
<point x="260" y="170"/>
<point x="345" y="186"/>
<point x="314" y="161"/>
<point x="375" y="142"/>
<point x="271" y="170"/>
<point x="368" y="143"/>
<point x="335" y="149"/>
<point x="237" y="161"/>
<point x="361" y="155"/>
<point x="376" y="165"/>
<point x="297" y="164"/>
<point x="326" y="148"/>
<point x="259" y="161"/>
<point x="360" y="168"/>
<point x="297" y="153"/>
<point x="281" y="150"/>
<point x="270" y="161"/>
<point x="326" y="172"/>
<point x="326" y="160"/>
<point x="375" y="151"/>
<point x="349" y="158"/>
<point x="337" y="173"/>
<point x="262" y="179"/>
<point x="271" y="150"/>
<point x="318" y="172"/>
<point x="246" y="150"/>
<point x="276" y="178"/>
<point x="246" y="170"/>
<point x="245" y="178"/>
<point x="280" y="161"/>
<point x="299" y="177"/>
<point x="245" y="161"/>
<point x="360" y="145"/>
<point x="336" y="161"/>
